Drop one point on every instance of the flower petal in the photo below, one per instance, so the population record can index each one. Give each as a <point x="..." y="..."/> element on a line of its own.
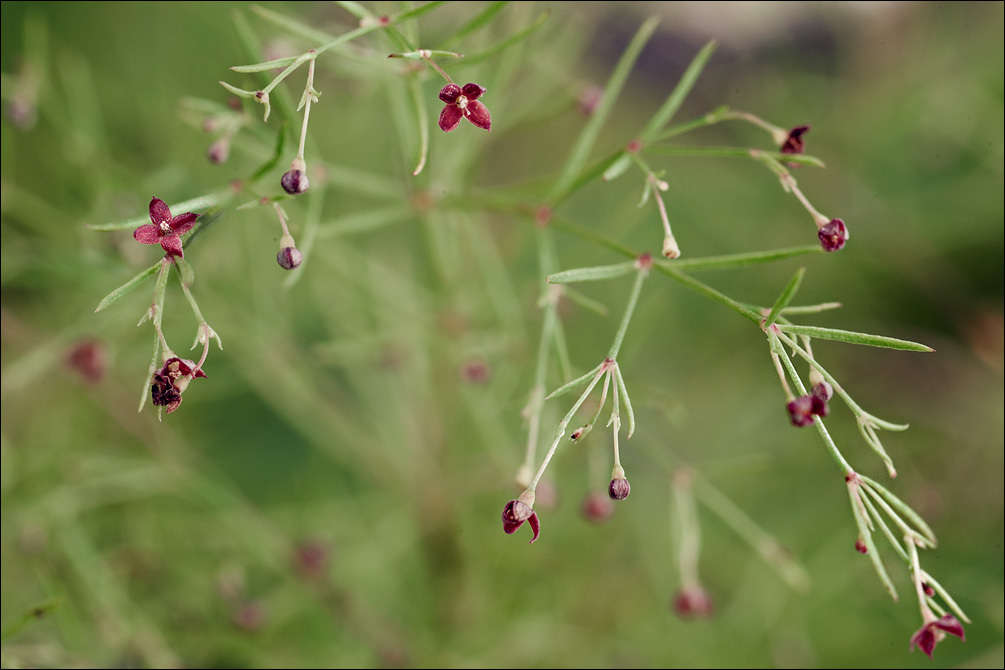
<point x="535" y="525"/>
<point x="183" y="222"/>
<point x="159" y="211"/>
<point x="472" y="91"/>
<point x="951" y="625"/>
<point x="478" y="114"/>
<point x="172" y="245"/>
<point x="924" y="640"/>
<point x="148" y="233"/>
<point x="449" y="93"/>
<point x="450" y="117"/>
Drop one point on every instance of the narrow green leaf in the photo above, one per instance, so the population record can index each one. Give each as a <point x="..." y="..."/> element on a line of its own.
<point x="578" y="381"/>
<point x="504" y="44"/>
<point x="786" y="297"/>
<point x="479" y="21"/>
<point x="309" y="33"/>
<point x="35" y="612"/>
<point x="588" y="137"/>
<point x="871" y="551"/>
<point x="425" y="53"/>
<point x="238" y="91"/>
<point x="853" y="337"/>
<point x="583" y="301"/>
<point x="770" y="158"/>
<point x="592" y="274"/>
<point x="367" y="220"/>
<point x="679" y="93"/>
<point x="617" y="168"/>
<point x="628" y="403"/>
<point x="740" y="260"/>
<point x="901" y="507"/>
<point x="273" y="161"/>
<point x="262" y="67"/>
<point x="354" y="8"/>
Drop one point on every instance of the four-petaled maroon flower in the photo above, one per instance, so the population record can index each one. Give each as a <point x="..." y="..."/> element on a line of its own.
<point x="165" y="229"/>
<point x="833" y="235"/>
<point x="515" y="513"/>
<point x="794" y="142"/>
<point x="932" y="633"/>
<point x="803" y="409"/>
<point x="463" y="102"/>
<point x="171" y="381"/>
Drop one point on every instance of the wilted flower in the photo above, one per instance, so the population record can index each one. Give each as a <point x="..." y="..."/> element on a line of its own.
<point x="463" y="102"/>
<point x="515" y="513"/>
<point x="165" y="229"/>
<point x="934" y="631"/>
<point x="803" y="408"/>
<point x="794" y="142"/>
<point x="171" y="381"/>
<point x="833" y="235"/>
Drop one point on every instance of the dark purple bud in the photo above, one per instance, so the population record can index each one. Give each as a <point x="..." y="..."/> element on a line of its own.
<point x="833" y="235"/>
<point x="289" y="258"/>
<point x="929" y="591"/>
<point x="860" y="546"/>
<point x="824" y="391"/>
<point x="619" y="489"/>
<point x="295" y="182"/>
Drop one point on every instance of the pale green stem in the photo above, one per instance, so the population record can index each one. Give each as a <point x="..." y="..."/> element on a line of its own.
<point x="623" y="327"/>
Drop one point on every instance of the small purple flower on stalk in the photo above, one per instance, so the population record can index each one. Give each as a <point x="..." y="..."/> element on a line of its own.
<point x="794" y="142"/>
<point x="171" y="381"/>
<point x="934" y="631"/>
<point x="165" y="229"/>
<point x="803" y="408"/>
<point x="516" y="512"/>
<point x="833" y="235"/>
<point x="463" y="102"/>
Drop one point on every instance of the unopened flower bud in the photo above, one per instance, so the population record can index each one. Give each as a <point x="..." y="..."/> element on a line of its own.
<point x="597" y="508"/>
<point x="822" y="390"/>
<point x="295" y="182"/>
<point x="860" y="546"/>
<point x="289" y="258"/>
<point x="619" y="488"/>
<point x="693" y="601"/>
<point x="670" y="248"/>
<point x="218" y="151"/>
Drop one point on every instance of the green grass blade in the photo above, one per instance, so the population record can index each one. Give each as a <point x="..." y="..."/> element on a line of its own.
<point x="786" y="297"/>
<point x="740" y="260"/>
<point x="127" y="287"/>
<point x="584" y="145"/>
<point x="854" y="338"/>
<point x="592" y="274"/>
<point x="679" y="93"/>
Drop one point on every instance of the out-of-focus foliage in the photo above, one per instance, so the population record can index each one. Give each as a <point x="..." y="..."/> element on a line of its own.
<point x="330" y="495"/>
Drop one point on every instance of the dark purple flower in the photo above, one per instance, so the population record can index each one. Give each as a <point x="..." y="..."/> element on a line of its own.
<point x="932" y="633"/>
<point x="165" y="229"/>
<point x="171" y="381"/>
<point x="803" y="409"/>
<point x="794" y="143"/>
<point x="693" y="601"/>
<point x="515" y="513"/>
<point x="823" y="390"/>
<point x="463" y="102"/>
<point x="619" y="488"/>
<point x="833" y="235"/>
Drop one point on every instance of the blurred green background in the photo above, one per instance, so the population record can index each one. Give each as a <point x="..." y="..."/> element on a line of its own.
<point x="330" y="495"/>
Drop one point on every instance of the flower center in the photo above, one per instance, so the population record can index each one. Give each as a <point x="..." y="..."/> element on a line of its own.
<point x="165" y="228"/>
<point x="462" y="101"/>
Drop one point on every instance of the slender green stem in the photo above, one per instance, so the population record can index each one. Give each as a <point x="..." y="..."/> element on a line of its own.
<point x="623" y="327"/>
